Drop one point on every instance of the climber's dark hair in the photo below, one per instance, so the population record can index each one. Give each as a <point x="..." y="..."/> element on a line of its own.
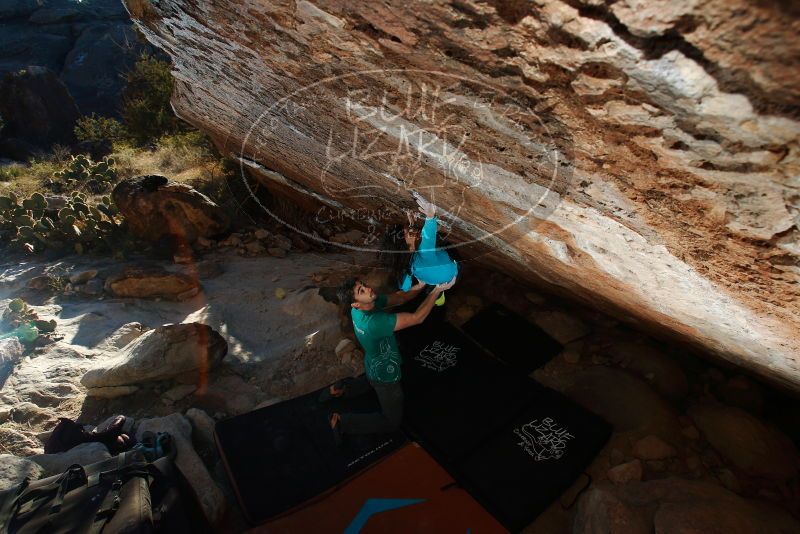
<point x="394" y="255"/>
<point x="345" y="292"/>
<point x="346" y="297"/>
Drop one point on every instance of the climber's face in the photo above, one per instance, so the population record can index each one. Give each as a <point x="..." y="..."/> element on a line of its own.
<point x="363" y="295"/>
<point x="411" y="235"/>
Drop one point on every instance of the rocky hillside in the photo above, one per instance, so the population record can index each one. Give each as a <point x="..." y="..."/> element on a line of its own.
<point x="89" y="44"/>
<point x="639" y="156"/>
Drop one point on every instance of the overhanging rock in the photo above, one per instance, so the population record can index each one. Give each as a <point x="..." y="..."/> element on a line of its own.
<point x="643" y="160"/>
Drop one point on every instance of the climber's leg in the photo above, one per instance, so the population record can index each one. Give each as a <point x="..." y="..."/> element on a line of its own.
<point x="388" y="419"/>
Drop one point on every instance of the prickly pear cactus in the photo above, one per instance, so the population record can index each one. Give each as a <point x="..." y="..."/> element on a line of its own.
<point x="9" y="210"/>
<point x="18" y="312"/>
<point x="97" y="176"/>
<point x="18" y="315"/>
<point x="79" y="226"/>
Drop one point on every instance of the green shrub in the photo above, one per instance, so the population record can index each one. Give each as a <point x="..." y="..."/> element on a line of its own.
<point x="146" y="109"/>
<point x="99" y="128"/>
<point x="188" y="141"/>
<point x="10" y="172"/>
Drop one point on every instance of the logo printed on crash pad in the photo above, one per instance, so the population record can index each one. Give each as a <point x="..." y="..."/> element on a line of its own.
<point x="438" y="356"/>
<point x="543" y="439"/>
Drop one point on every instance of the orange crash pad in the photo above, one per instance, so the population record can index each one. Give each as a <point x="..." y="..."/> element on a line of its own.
<point x="405" y="492"/>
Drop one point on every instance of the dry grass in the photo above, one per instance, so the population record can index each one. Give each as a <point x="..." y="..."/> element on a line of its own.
<point x="11" y="173"/>
<point x="26" y="180"/>
<point x="184" y="157"/>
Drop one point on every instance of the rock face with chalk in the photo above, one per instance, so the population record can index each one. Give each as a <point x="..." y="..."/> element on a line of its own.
<point x="644" y="161"/>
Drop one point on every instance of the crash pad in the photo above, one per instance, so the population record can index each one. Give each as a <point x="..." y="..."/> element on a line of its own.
<point x="282" y="455"/>
<point x="408" y="491"/>
<point x="511" y="338"/>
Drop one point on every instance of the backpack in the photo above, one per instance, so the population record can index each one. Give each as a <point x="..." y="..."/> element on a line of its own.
<point x="124" y="494"/>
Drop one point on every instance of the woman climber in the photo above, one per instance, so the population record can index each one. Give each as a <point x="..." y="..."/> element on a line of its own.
<point x="410" y="253"/>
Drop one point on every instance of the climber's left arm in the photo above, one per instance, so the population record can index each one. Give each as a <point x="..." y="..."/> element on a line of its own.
<point x="401" y="297"/>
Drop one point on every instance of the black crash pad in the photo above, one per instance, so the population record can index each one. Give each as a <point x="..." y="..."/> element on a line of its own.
<point x="514" y="444"/>
<point x="512" y="338"/>
<point x="281" y="456"/>
<point x="535" y="458"/>
<point x="456" y="395"/>
<point x="434" y="353"/>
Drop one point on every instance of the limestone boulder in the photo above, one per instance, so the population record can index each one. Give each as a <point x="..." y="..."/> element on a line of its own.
<point x="82" y="277"/>
<point x="602" y="510"/>
<point x="14" y="470"/>
<point x="653" y="448"/>
<point x="568" y="147"/>
<point x="229" y="394"/>
<point x="161" y="353"/>
<point x="17" y="8"/>
<point x="37" y="109"/>
<point x="90" y="45"/>
<point x="562" y="327"/>
<point x="740" y="392"/>
<point x="621" y="398"/>
<point x="657" y="368"/>
<point x="176" y="393"/>
<point x="203" y="434"/>
<point x="19" y="443"/>
<point x="49" y="380"/>
<point x="152" y="282"/>
<point x="28" y="413"/>
<point x="111" y="392"/>
<point x="343" y="347"/>
<point x="675" y="505"/>
<point x="10" y="352"/>
<point x="30" y="45"/>
<point x="155" y="207"/>
<point x="750" y="444"/>
<point x="124" y="335"/>
<point x="627" y="472"/>
<point x="208" y="493"/>
<point x="103" y="47"/>
<point x="92" y="288"/>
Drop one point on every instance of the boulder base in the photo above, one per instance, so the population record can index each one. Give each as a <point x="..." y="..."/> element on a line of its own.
<point x="675" y="505"/>
<point x="155" y="207"/>
<point x="161" y="353"/>
<point x="152" y="282"/>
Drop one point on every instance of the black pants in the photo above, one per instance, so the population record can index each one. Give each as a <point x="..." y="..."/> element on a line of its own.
<point x="388" y="419"/>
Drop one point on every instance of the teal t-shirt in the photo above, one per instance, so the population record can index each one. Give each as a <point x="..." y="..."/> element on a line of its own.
<point x="375" y="331"/>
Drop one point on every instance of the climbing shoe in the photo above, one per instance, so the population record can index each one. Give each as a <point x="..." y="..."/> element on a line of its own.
<point x="336" y="429"/>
